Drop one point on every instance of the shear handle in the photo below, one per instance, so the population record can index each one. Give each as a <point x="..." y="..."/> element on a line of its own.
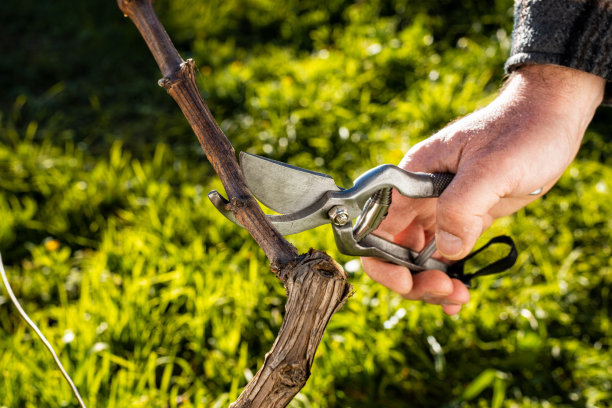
<point x="409" y="184"/>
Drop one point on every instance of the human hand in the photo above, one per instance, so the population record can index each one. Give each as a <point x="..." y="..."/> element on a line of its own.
<point x="519" y="143"/>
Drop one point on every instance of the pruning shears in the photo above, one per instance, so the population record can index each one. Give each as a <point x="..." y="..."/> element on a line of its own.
<point x="306" y="199"/>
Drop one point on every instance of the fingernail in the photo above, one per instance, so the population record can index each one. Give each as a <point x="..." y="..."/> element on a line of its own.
<point x="447" y="302"/>
<point x="434" y="298"/>
<point x="448" y="244"/>
<point x="435" y="294"/>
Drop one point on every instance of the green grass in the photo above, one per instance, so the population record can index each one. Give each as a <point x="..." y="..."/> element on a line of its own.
<point x="171" y="302"/>
<point x="153" y="299"/>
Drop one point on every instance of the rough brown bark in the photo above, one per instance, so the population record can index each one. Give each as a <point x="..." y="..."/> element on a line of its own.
<point x="316" y="288"/>
<point x="316" y="285"/>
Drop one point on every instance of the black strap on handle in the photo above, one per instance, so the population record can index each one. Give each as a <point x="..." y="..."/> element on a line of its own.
<point x="457" y="271"/>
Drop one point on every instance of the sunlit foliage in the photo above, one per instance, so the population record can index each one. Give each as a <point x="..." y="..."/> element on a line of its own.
<point x="155" y="300"/>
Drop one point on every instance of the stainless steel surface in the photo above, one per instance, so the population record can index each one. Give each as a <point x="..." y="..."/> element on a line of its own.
<point x="414" y="185"/>
<point x="339" y="215"/>
<point x="282" y="187"/>
<point x="220" y="204"/>
<point x="426" y="252"/>
<point x="286" y="224"/>
<point x="375" y="246"/>
<point x="374" y="212"/>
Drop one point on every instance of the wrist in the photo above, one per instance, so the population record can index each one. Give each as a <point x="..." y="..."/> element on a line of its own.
<point x="558" y="90"/>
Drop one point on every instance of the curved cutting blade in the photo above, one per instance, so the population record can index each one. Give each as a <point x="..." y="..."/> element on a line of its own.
<point x="282" y="187"/>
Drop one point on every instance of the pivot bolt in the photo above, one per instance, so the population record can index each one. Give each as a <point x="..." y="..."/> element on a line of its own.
<point x="339" y="215"/>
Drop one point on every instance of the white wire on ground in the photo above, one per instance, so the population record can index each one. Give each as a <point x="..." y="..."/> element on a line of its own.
<point x="42" y="337"/>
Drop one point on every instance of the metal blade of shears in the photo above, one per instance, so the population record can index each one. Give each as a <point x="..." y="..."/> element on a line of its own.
<point x="282" y="187"/>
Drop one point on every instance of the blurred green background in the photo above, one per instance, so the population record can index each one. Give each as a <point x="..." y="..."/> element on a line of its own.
<point x="155" y="300"/>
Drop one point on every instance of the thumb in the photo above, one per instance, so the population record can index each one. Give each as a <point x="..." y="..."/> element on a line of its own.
<point x="463" y="211"/>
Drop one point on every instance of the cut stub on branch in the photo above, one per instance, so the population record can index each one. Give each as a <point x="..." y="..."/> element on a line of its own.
<point x="316" y="288"/>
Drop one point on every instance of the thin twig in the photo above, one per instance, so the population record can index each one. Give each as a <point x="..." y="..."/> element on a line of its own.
<point x="39" y="333"/>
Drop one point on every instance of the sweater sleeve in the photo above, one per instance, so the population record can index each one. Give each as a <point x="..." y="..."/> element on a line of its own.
<point x="572" y="33"/>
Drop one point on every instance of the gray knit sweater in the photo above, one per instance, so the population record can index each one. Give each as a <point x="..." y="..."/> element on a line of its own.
<point x="572" y="33"/>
